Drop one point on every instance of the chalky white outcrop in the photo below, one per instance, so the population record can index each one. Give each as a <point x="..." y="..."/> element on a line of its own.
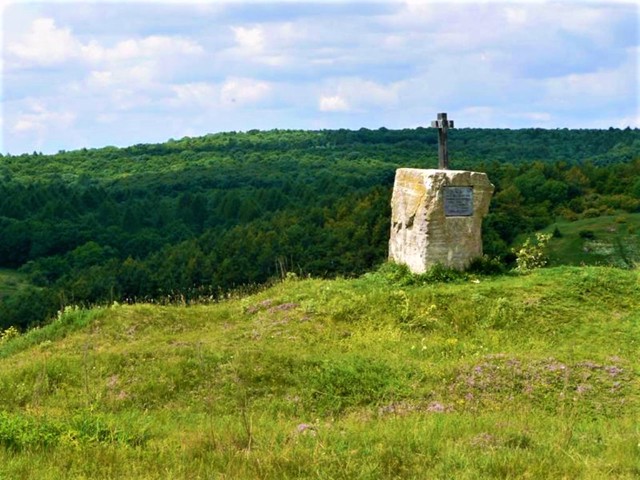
<point x="430" y="224"/>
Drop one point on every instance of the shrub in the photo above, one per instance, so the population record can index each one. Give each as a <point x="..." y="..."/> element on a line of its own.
<point x="486" y="265"/>
<point x="567" y="214"/>
<point x="591" y="213"/>
<point x="394" y="273"/>
<point x="441" y="274"/>
<point x="532" y="255"/>
<point x="8" y="334"/>
<point x="587" y="234"/>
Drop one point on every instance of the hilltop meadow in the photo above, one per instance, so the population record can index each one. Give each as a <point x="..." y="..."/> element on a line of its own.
<point x="385" y="376"/>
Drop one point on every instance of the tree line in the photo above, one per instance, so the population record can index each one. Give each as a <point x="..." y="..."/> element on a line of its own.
<point x="201" y="216"/>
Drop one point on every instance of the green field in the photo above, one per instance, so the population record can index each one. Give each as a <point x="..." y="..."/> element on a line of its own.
<point x="531" y="376"/>
<point x="605" y="240"/>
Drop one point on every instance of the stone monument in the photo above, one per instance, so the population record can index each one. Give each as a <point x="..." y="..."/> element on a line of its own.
<point x="436" y="214"/>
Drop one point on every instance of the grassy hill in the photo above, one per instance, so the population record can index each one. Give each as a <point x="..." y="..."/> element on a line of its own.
<point x="380" y="377"/>
<point x="606" y="240"/>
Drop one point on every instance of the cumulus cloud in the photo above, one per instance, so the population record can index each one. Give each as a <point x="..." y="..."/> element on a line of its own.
<point x="199" y="94"/>
<point x="243" y="91"/>
<point x="414" y="13"/>
<point x="289" y="66"/>
<point x="154" y="46"/>
<point x="355" y="94"/>
<point x="607" y="89"/>
<point x="39" y="119"/>
<point x="233" y="92"/>
<point x="270" y="44"/>
<point x="248" y="39"/>
<point x="137" y="75"/>
<point x="45" y="44"/>
<point x="333" y="103"/>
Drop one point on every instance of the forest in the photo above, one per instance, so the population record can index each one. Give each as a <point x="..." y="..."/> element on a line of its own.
<point x="201" y="216"/>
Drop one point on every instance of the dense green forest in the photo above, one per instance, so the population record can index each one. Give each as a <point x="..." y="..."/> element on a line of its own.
<point x="201" y="216"/>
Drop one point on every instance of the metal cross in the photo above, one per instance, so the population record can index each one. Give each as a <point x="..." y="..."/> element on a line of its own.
<point x="442" y="124"/>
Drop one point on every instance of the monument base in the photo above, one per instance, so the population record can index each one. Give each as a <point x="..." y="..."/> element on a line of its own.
<point x="436" y="217"/>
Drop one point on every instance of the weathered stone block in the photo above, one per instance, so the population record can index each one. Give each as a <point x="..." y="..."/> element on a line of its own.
<point x="437" y="217"/>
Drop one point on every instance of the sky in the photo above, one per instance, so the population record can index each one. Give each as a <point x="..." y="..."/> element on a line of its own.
<point x="92" y="74"/>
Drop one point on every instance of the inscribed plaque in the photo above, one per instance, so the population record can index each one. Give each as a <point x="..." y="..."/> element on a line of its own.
<point x="458" y="201"/>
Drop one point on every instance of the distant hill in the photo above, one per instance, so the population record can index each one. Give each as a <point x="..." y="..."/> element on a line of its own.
<point x="384" y="376"/>
<point x="204" y="216"/>
<point x="606" y="240"/>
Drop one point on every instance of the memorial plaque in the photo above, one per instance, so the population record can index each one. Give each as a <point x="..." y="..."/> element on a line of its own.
<point x="458" y="201"/>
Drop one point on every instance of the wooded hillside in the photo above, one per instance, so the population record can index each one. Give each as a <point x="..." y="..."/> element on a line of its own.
<point x="201" y="216"/>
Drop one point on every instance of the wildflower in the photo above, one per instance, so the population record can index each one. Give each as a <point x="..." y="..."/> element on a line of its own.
<point x="613" y="370"/>
<point x="306" y="428"/>
<point x="437" y="407"/>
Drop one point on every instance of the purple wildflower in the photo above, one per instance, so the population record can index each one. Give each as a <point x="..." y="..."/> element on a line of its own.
<point x="306" y="428"/>
<point x="436" y="407"/>
<point x="613" y="370"/>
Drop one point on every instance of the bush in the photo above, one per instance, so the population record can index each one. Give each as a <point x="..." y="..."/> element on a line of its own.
<point x="532" y="255"/>
<point x="486" y="265"/>
<point x="587" y="234"/>
<point x="394" y="273"/>
<point x="29" y="307"/>
<point x="8" y="334"/>
<point x="441" y="274"/>
<point x="591" y="213"/>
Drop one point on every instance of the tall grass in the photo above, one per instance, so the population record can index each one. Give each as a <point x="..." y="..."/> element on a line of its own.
<point x="384" y="376"/>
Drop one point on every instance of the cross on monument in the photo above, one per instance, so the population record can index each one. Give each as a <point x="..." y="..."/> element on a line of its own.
<point x="442" y="124"/>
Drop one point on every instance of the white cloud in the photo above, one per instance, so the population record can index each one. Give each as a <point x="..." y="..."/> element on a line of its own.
<point x="414" y="13"/>
<point x="632" y="121"/>
<point x="488" y="63"/>
<point x="101" y="78"/>
<point x="45" y="44"/>
<point x="136" y="49"/>
<point x="598" y="88"/>
<point x="333" y="103"/>
<point x="593" y="84"/>
<point x="516" y="16"/>
<point x="40" y="120"/>
<point x="243" y="91"/>
<point x="122" y="99"/>
<point x="250" y="40"/>
<point x="271" y="44"/>
<point x="355" y="94"/>
<point x="194" y="94"/>
<point x="134" y="76"/>
<point x="585" y="19"/>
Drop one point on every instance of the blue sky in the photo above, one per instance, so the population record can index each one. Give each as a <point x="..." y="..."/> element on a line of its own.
<point x="91" y="74"/>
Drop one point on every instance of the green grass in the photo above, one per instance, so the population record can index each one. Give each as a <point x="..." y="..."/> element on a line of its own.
<point x="10" y="282"/>
<point x="615" y="240"/>
<point x="532" y="376"/>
